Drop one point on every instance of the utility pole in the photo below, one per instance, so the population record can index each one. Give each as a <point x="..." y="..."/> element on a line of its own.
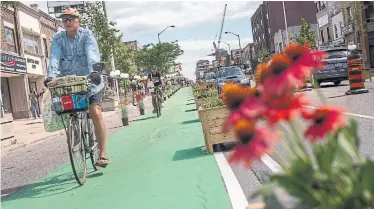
<point x="285" y="22"/>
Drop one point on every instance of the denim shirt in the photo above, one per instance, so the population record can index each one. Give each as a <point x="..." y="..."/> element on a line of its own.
<point x="74" y="56"/>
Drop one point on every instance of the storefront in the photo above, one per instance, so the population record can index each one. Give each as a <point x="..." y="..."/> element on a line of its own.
<point x="14" y="98"/>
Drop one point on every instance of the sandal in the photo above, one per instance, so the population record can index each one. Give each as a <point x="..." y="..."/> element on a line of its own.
<point x="102" y="162"/>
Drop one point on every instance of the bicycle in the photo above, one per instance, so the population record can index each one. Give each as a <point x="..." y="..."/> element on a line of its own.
<point x="79" y="130"/>
<point x="156" y="94"/>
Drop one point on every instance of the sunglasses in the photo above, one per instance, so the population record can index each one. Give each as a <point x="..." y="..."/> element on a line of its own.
<point x="68" y="19"/>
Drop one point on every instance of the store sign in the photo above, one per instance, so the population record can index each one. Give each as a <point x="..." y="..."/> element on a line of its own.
<point x="11" y="63"/>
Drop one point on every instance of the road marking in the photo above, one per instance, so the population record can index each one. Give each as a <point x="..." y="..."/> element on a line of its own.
<point x="348" y="113"/>
<point x="235" y="191"/>
<point x="270" y="163"/>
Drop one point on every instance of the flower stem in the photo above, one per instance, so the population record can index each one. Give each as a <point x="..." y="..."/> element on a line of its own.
<point x="294" y="148"/>
<point x="297" y="126"/>
<point x="299" y="141"/>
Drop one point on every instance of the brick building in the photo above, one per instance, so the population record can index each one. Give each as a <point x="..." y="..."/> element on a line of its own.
<point x="268" y="23"/>
<point x="25" y="48"/>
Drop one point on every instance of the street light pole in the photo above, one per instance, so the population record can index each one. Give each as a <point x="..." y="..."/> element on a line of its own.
<point x="240" y="46"/>
<point x="285" y="21"/>
<point x="158" y="34"/>
<point x="228" y="46"/>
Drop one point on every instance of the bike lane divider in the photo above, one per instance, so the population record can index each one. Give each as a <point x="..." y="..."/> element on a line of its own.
<point x="155" y="163"/>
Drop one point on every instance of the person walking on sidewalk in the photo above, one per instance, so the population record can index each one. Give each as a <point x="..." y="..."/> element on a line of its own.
<point x="34" y="103"/>
<point x="73" y="52"/>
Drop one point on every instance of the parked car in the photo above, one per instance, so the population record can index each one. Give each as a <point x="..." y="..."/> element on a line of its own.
<point x="335" y="68"/>
<point x="210" y="79"/>
<point x="231" y="74"/>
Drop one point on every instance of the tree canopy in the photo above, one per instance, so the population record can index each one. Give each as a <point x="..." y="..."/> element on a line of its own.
<point x="307" y="35"/>
<point x="162" y="55"/>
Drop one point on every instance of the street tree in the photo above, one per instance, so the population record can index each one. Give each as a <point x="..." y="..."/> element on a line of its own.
<point x="162" y="55"/>
<point x="307" y="35"/>
<point x="105" y="32"/>
<point x="124" y="58"/>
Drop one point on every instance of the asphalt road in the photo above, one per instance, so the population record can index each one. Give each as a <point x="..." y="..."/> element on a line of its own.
<point x="21" y="167"/>
<point x="360" y="107"/>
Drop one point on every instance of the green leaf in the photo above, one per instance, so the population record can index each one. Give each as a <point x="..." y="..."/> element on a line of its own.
<point x="346" y="152"/>
<point x="367" y="177"/>
<point x="325" y="156"/>
<point x="352" y="130"/>
<point x="296" y="188"/>
<point x="265" y="190"/>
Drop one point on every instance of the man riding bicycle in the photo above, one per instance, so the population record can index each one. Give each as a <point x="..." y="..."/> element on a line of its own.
<point x="155" y="77"/>
<point x="73" y="52"/>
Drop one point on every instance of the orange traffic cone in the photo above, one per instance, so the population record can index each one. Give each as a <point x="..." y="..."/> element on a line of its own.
<point x="355" y="75"/>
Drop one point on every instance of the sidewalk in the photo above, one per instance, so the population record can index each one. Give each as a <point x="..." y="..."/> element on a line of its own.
<point x="156" y="163"/>
<point x="31" y="131"/>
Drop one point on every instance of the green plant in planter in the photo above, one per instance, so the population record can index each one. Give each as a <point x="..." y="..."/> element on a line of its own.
<point x="210" y="102"/>
<point x="123" y="110"/>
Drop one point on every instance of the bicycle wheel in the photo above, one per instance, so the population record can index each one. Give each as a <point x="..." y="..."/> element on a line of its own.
<point x="94" y="153"/>
<point x="159" y="105"/>
<point x="77" y="152"/>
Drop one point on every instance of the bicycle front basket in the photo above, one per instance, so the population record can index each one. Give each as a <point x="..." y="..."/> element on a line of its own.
<point x="69" y="99"/>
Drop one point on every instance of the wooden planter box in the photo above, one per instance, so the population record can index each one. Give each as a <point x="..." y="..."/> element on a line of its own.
<point x="212" y="120"/>
<point x="109" y="105"/>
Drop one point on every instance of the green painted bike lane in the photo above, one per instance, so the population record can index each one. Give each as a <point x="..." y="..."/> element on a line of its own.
<point x="156" y="163"/>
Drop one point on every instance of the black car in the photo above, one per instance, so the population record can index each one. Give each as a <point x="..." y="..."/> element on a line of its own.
<point x="335" y="67"/>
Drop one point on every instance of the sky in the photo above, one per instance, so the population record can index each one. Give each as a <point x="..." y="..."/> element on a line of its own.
<point x="197" y="23"/>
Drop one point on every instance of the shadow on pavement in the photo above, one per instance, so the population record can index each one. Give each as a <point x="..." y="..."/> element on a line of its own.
<point x="190" y="103"/>
<point x="33" y="123"/>
<point x="48" y="187"/>
<point x="191" y="121"/>
<point x="343" y="95"/>
<point x="191" y="110"/>
<point x="140" y="119"/>
<point x="94" y="175"/>
<point x="115" y="127"/>
<point x="191" y="153"/>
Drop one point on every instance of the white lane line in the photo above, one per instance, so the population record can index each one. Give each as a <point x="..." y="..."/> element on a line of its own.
<point x="236" y="194"/>
<point x="270" y="163"/>
<point x="348" y="113"/>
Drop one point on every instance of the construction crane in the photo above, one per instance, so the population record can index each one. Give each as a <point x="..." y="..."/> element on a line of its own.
<point x="216" y="47"/>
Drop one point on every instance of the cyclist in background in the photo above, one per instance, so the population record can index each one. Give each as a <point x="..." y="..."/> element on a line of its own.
<point x="155" y="77"/>
<point x="73" y="52"/>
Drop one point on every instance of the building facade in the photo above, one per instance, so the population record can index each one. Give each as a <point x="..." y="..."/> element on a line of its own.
<point x="330" y="22"/>
<point x="26" y="40"/>
<point x="260" y="29"/>
<point x="358" y="28"/>
<point x="269" y="23"/>
<point x="248" y="55"/>
<point x="14" y="95"/>
<point x="201" y="67"/>
<point x="134" y="45"/>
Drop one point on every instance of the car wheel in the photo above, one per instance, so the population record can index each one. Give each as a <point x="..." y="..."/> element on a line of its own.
<point x="337" y="82"/>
